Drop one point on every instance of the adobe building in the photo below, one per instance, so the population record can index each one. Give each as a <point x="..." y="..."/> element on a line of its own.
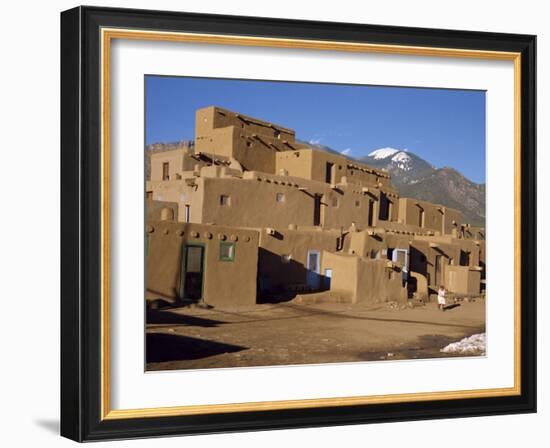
<point x="297" y="219"/>
<point x="197" y="262"/>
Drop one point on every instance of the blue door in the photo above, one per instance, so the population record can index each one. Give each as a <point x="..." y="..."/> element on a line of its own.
<point x="314" y="269"/>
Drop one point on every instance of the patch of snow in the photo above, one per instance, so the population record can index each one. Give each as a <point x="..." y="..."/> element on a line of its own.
<point x="346" y="151"/>
<point x="473" y="345"/>
<point x="382" y="153"/>
<point x="402" y="160"/>
<point x="401" y="157"/>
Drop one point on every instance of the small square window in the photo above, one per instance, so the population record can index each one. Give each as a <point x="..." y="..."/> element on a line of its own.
<point x="280" y="197"/>
<point x="225" y="200"/>
<point x="357" y="203"/>
<point x="227" y="251"/>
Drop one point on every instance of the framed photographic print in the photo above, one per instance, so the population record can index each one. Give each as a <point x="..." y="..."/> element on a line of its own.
<point x="272" y="223"/>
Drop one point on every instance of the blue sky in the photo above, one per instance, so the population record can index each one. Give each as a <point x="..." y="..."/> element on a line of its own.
<point x="445" y="127"/>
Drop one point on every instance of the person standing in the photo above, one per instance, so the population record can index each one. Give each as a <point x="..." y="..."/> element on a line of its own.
<point x="441" y="298"/>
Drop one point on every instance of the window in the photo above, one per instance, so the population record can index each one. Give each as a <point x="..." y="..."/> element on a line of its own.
<point x="280" y="197"/>
<point x="165" y="171"/>
<point x="227" y="251"/>
<point x="277" y="134"/>
<point x="187" y="213"/>
<point x="357" y="203"/>
<point x="225" y="200"/>
<point x="335" y="202"/>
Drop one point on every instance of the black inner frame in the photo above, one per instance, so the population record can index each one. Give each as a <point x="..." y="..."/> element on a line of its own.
<point x="81" y="220"/>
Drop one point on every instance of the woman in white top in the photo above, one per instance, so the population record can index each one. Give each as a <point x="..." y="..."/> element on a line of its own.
<point x="441" y="298"/>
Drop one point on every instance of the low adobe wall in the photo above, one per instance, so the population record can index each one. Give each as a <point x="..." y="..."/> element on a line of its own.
<point x="462" y="280"/>
<point x="364" y="280"/>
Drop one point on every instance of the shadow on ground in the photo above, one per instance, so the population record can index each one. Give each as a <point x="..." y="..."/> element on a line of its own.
<point x="169" y="317"/>
<point x="162" y="347"/>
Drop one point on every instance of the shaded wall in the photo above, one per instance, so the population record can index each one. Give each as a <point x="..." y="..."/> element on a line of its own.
<point x="277" y="271"/>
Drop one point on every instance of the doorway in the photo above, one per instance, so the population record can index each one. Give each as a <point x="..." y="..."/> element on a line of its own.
<point x="192" y="272"/>
<point x="317" y="210"/>
<point x="329" y="173"/>
<point x="313" y="269"/>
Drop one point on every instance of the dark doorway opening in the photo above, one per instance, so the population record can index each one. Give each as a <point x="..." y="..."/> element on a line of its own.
<point x="317" y="210"/>
<point x="192" y="272"/>
<point x="329" y="173"/>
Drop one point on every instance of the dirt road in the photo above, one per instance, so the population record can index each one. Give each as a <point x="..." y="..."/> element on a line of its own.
<point x="290" y="333"/>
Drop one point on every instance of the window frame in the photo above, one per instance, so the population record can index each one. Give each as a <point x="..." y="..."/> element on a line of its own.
<point x="230" y="244"/>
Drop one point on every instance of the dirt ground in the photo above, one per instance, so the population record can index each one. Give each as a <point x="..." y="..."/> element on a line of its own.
<point x="290" y="333"/>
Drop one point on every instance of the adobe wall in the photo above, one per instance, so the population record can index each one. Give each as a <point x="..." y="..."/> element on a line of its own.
<point x="364" y="280"/>
<point x="452" y="219"/>
<point x="374" y="244"/>
<point x="254" y="143"/>
<point x="410" y="213"/>
<point x="362" y="174"/>
<point x="180" y="192"/>
<point x="179" y="160"/>
<point x="425" y="250"/>
<point x="378" y="283"/>
<point x="295" y="164"/>
<point x="225" y="283"/>
<point x="311" y="164"/>
<point x="277" y="273"/>
<point x="344" y="274"/>
<point x="253" y="201"/>
<point x="462" y="280"/>
<point x="437" y="218"/>
<point x="156" y="210"/>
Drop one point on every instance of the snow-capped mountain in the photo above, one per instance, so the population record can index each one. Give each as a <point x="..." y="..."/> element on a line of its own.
<point x="416" y="178"/>
<point x="383" y="153"/>
<point x="403" y="166"/>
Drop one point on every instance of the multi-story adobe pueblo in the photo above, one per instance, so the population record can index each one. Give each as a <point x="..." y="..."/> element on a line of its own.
<point x="248" y="213"/>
